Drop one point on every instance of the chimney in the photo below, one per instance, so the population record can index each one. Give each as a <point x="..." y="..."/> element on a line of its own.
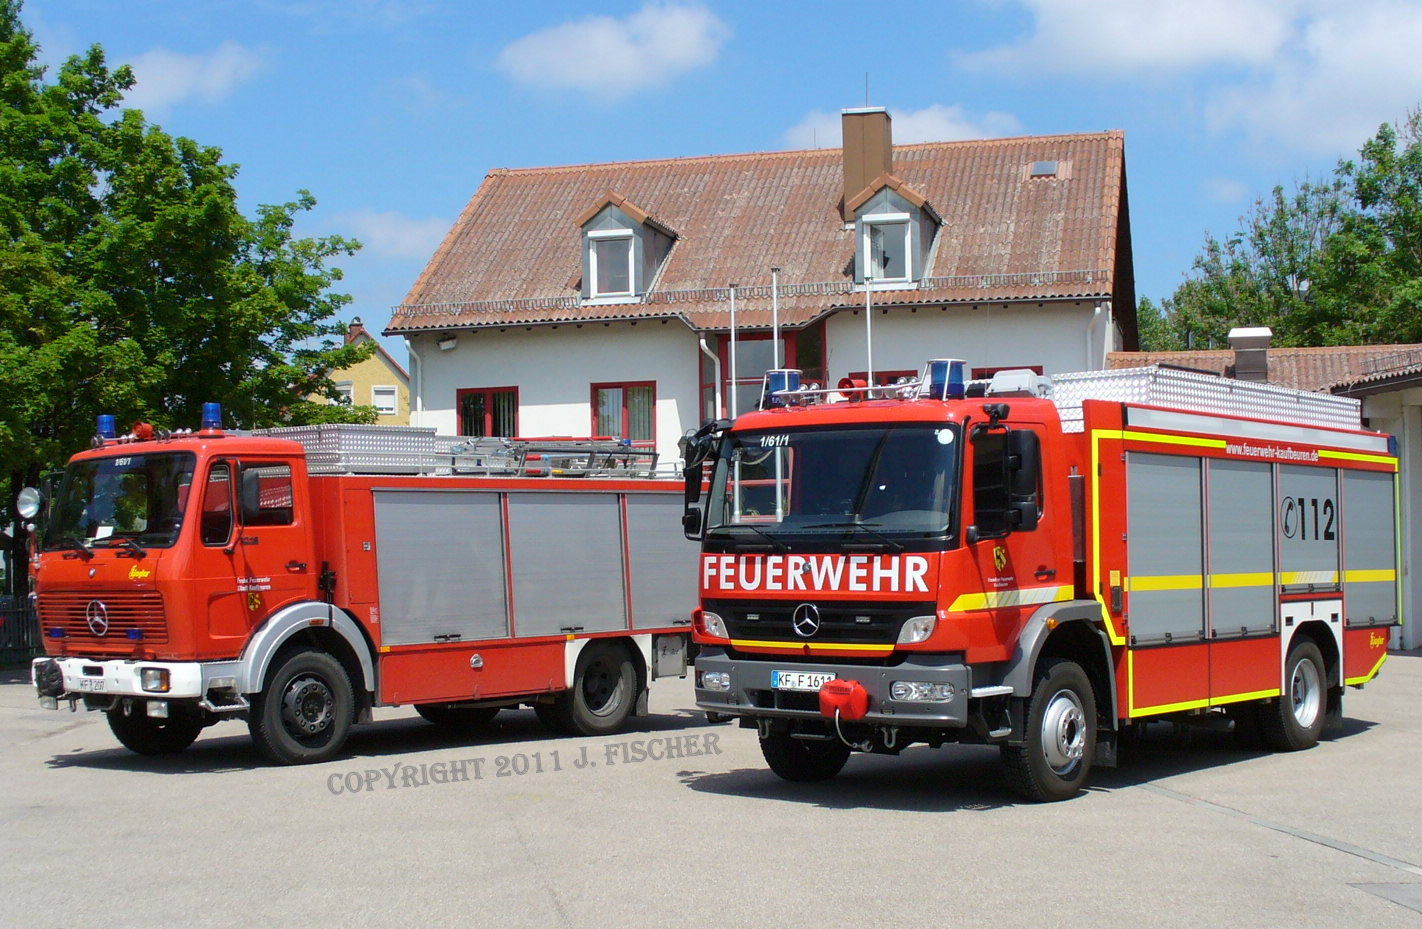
<point x="356" y="330"/>
<point x="868" y="150"/>
<point x="1251" y="353"/>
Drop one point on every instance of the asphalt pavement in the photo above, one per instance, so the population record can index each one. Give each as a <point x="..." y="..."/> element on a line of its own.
<point x="678" y="823"/>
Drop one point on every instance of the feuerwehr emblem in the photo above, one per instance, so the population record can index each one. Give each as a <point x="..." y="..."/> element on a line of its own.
<point x="96" y="614"/>
<point x="806" y="620"/>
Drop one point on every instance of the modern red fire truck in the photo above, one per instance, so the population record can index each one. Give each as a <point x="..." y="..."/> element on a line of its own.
<point x="1037" y="564"/>
<point x="297" y="578"/>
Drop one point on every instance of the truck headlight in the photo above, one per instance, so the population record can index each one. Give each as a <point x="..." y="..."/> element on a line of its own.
<point x="713" y="626"/>
<point x="716" y="680"/>
<point x="154" y="680"/>
<point x="917" y="629"/>
<point x="921" y="692"/>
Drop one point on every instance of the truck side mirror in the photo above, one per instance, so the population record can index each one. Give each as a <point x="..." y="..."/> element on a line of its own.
<point x="691" y="523"/>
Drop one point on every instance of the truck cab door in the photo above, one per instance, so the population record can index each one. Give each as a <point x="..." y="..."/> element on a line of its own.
<point x="274" y="557"/>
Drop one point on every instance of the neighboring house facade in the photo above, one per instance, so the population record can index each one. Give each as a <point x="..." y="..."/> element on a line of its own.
<point x="379" y="381"/>
<point x="1388" y="381"/>
<point x="598" y="299"/>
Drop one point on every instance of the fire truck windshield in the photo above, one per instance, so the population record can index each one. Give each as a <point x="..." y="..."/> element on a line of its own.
<point x="126" y="500"/>
<point x="891" y="481"/>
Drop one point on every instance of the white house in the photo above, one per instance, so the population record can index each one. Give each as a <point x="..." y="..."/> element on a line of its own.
<point x="597" y="299"/>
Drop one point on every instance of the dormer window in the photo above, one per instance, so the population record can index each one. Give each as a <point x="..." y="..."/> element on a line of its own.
<point x="887" y="244"/>
<point x="894" y="231"/>
<point x="610" y="263"/>
<point x="623" y="249"/>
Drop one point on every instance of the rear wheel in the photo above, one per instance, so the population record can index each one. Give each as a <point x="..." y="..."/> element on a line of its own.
<point x="1295" y="720"/>
<point x="305" y="712"/>
<point x="1060" y="742"/>
<point x="803" y="759"/>
<point x="603" y="694"/>
<point x="152" y="735"/>
<point x="457" y="717"/>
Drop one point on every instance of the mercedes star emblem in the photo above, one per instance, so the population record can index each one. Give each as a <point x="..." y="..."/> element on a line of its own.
<point x="97" y="616"/>
<point x="806" y="620"/>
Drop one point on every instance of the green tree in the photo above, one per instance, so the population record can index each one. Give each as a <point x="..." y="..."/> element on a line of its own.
<point x="1330" y="263"/>
<point x="130" y="281"/>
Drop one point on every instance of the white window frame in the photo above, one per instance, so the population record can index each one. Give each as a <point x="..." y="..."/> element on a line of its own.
<point x="888" y="219"/>
<point x="603" y="235"/>
<point x="347" y="390"/>
<point x="394" y="399"/>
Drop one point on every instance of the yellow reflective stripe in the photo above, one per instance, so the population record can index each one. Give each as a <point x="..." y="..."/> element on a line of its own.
<point x="1208" y="701"/>
<point x="813" y="646"/>
<point x="1239" y="698"/>
<point x="1165" y="582"/>
<point x="1308" y="577"/>
<point x="1358" y="456"/>
<point x="1370" y="675"/>
<point x="1017" y="596"/>
<point x="1366" y="576"/>
<point x="1253" y="579"/>
<point x="1132" y="436"/>
<point x="1097" y="435"/>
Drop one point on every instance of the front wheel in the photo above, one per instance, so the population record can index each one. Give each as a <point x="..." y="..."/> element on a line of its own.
<point x="803" y="760"/>
<point x="1295" y="720"/>
<point x="152" y="735"/>
<point x="305" y="712"/>
<point x="1060" y="741"/>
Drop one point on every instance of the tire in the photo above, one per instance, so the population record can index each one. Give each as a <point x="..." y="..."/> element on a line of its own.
<point x="1060" y="742"/>
<point x="457" y="717"/>
<point x="150" y="735"/>
<point x="1295" y="720"/>
<point x="803" y="760"/>
<point x="305" y="712"/>
<point x="603" y="694"/>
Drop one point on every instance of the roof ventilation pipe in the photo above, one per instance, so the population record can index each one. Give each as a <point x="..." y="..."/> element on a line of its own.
<point x="1251" y="353"/>
<point x="868" y="148"/>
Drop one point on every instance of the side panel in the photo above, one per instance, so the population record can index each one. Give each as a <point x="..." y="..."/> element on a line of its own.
<point x="1165" y="548"/>
<point x="1168" y="678"/>
<point x="1308" y="529"/>
<point x="483" y="672"/>
<point x="1241" y="549"/>
<point x="441" y="565"/>
<point x="1244" y="669"/>
<point x="566" y="557"/>
<point x="1369" y="559"/>
<point x="663" y="562"/>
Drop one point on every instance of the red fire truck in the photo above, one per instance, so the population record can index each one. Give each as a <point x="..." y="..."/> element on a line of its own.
<point x="297" y="578"/>
<point x="1037" y="564"/>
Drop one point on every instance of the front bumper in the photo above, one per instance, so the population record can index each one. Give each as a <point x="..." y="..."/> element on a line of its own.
<point x="751" y="693"/>
<point x="84" y="677"/>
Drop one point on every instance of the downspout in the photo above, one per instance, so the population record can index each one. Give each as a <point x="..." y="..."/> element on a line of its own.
<point x="716" y="369"/>
<point x="417" y="410"/>
<point x="1102" y="312"/>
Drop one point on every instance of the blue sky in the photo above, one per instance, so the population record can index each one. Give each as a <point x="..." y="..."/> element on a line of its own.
<point x="392" y="111"/>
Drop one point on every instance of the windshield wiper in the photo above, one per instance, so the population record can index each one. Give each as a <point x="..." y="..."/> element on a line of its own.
<point x="779" y="545"/>
<point x="73" y="542"/>
<point x="895" y="544"/>
<point x="128" y="543"/>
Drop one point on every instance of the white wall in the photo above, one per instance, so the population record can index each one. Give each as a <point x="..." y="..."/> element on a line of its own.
<point x="1400" y="413"/>
<point x="554" y="367"/>
<point x="1058" y="336"/>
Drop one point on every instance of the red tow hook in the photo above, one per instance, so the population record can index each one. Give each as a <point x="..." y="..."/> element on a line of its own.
<point x="848" y="699"/>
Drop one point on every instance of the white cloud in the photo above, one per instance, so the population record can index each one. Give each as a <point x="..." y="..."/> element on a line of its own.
<point x="1351" y="70"/>
<point x="936" y="123"/>
<point x="395" y="235"/>
<point x="611" y="58"/>
<point x="1115" y="37"/>
<point x="1224" y="189"/>
<point x="165" y="78"/>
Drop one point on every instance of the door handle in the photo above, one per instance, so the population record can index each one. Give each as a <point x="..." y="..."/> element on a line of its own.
<point x="1044" y="573"/>
<point x="296" y="566"/>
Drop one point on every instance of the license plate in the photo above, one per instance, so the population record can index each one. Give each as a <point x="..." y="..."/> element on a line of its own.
<point x="90" y="684"/>
<point x="799" y="680"/>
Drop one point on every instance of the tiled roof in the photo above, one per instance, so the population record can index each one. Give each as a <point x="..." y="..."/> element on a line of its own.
<point x="1318" y="368"/>
<point x="513" y="257"/>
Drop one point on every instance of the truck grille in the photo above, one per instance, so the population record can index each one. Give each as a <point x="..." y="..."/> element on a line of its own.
<point x="840" y="621"/>
<point x="134" y="617"/>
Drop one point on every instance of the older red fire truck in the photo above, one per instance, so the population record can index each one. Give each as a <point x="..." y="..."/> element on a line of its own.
<point x="1037" y="564"/>
<point x="297" y="578"/>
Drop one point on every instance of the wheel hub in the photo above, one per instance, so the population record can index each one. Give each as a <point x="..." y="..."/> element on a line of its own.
<point x="1305" y="693"/>
<point x="1063" y="731"/>
<point x="308" y="706"/>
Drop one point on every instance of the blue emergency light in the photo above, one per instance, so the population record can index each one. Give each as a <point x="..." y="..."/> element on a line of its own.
<point x="776" y="380"/>
<point x="945" y="379"/>
<point x="212" y="416"/>
<point x="107" y="426"/>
